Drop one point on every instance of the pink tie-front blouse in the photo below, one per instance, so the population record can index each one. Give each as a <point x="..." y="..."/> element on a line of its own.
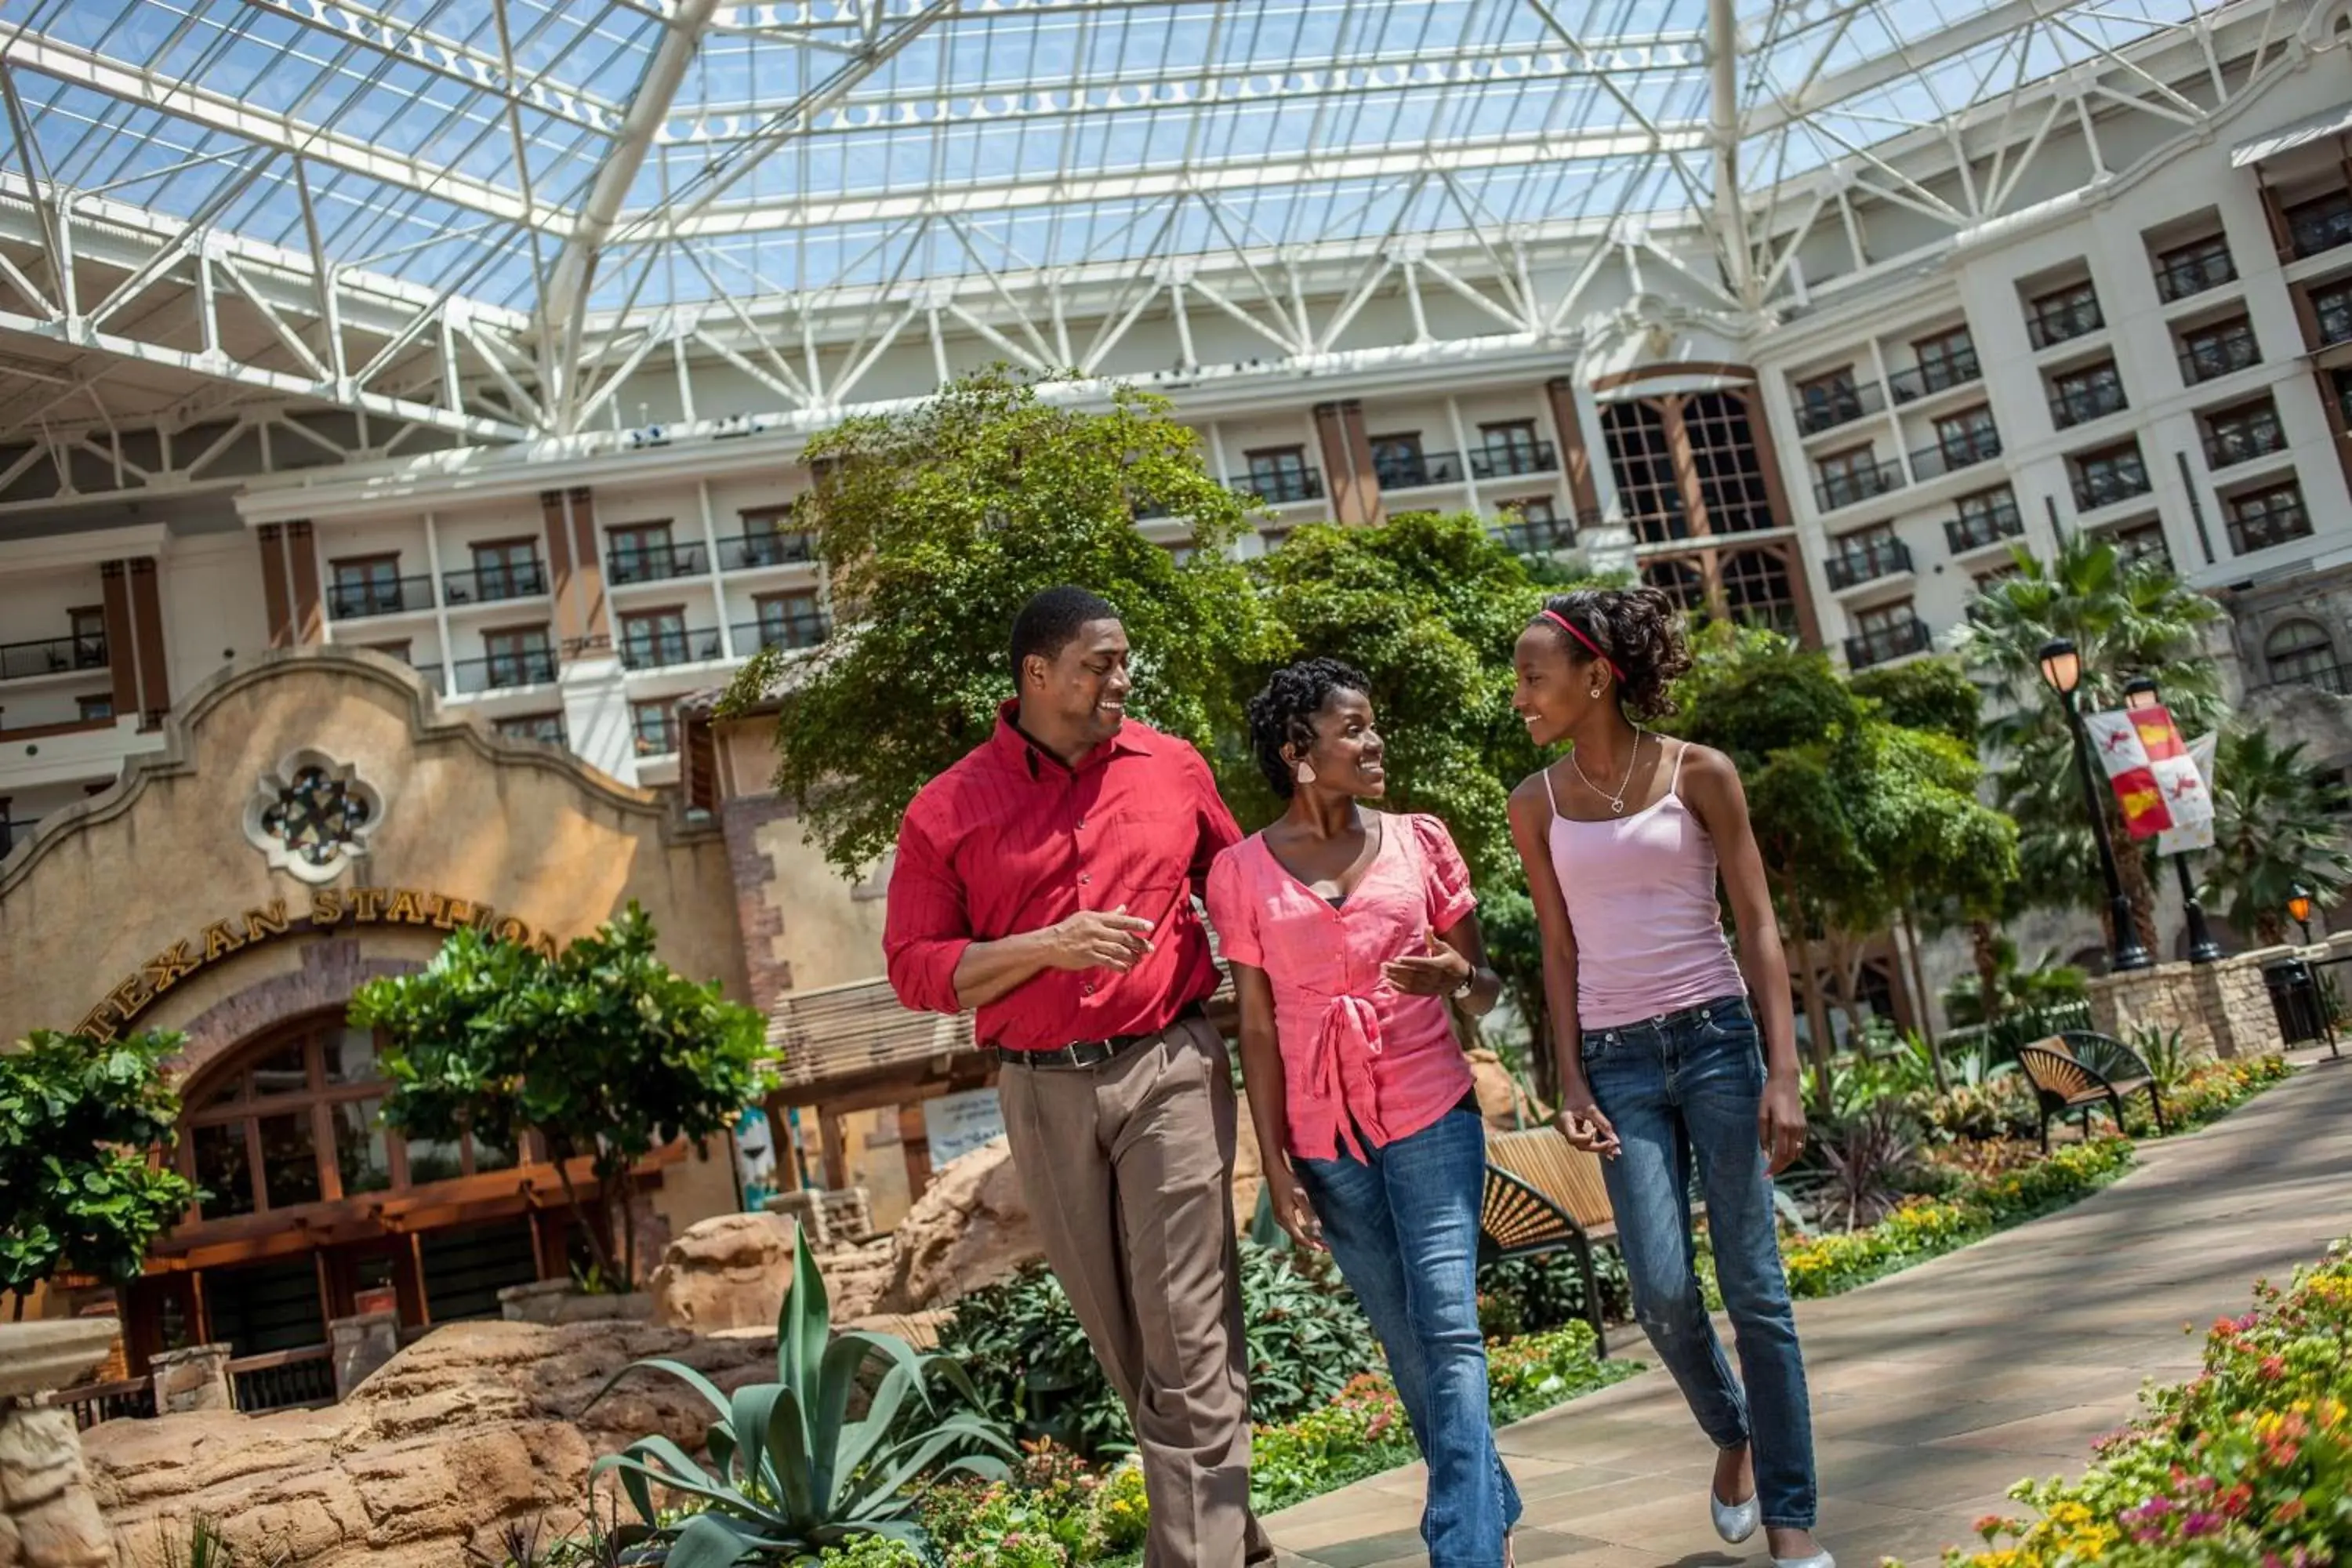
<point x="1353" y="1046"/>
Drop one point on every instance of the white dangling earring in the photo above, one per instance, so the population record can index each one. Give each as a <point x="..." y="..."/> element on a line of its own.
<point x="1306" y="774"/>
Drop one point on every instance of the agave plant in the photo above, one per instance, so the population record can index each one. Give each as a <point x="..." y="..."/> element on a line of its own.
<point x="790" y="1472"/>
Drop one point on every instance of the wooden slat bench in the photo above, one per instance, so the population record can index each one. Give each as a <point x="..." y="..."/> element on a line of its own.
<point x="2080" y="1071"/>
<point x="1544" y="1194"/>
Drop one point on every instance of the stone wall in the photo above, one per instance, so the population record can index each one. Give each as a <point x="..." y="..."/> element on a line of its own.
<point x="48" y="1511"/>
<point x="2223" y="1009"/>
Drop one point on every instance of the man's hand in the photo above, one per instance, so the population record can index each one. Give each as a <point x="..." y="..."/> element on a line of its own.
<point x="1436" y="971"/>
<point x="1780" y="1121"/>
<point x="1291" y="1209"/>
<point x="1097" y="939"/>
<point x="1585" y="1124"/>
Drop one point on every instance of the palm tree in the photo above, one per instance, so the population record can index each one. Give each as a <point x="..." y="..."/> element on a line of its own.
<point x="2126" y="618"/>
<point x="2272" y="831"/>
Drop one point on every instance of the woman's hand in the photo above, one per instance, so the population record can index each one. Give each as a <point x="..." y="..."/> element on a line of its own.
<point x="1585" y="1125"/>
<point x="1436" y="971"/>
<point x="1291" y="1209"/>
<point x="1780" y="1121"/>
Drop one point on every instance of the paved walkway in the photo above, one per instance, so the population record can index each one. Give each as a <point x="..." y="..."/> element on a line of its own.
<point x="1934" y="1389"/>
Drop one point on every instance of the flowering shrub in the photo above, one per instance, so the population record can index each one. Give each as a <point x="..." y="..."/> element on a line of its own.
<point x="2250" y="1462"/>
<point x="1828" y="1263"/>
<point x="2211" y="1090"/>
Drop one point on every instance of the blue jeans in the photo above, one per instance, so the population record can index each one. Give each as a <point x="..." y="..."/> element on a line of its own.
<point x="1404" y="1231"/>
<point x="1682" y="1087"/>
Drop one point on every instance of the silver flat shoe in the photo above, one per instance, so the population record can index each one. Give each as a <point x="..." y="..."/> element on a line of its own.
<point x="1735" y="1522"/>
<point x="1818" y="1560"/>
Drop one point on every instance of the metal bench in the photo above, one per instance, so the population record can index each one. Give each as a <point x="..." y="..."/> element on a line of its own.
<point x="2079" y="1071"/>
<point x="1544" y="1194"/>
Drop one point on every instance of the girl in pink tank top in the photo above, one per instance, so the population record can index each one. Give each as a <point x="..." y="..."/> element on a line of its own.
<point x="1672" y="1052"/>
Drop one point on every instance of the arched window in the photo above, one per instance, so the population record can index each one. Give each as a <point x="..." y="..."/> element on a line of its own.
<point x="1678" y="581"/>
<point x="292" y="1120"/>
<point x="2301" y="653"/>
<point x="1756" y="582"/>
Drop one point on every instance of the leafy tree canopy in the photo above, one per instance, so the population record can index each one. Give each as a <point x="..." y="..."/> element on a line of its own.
<point x="603" y="1050"/>
<point x="77" y="1120"/>
<point x="936" y="524"/>
<point x="1932" y="693"/>
<point x="2272" y="832"/>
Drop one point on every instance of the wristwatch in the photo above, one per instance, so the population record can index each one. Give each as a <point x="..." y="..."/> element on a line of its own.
<point x="1469" y="983"/>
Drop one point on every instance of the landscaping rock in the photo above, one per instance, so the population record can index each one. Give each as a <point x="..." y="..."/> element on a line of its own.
<point x="856" y="1276"/>
<point x="474" y="1426"/>
<point x="971" y="1228"/>
<point x="728" y="1272"/>
<point x="1506" y="1106"/>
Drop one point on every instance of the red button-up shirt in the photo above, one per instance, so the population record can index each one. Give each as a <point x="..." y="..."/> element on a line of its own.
<point x="1010" y="839"/>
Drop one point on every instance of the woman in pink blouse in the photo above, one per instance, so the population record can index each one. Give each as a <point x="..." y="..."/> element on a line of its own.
<point x="1348" y="931"/>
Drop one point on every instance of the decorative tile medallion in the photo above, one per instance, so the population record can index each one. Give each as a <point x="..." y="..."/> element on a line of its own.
<point x="312" y="817"/>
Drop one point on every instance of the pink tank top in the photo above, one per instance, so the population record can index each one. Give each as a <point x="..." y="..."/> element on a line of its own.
<point x="1641" y="900"/>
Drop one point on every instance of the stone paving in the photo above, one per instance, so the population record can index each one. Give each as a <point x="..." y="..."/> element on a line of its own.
<point x="1937" y="1388"/>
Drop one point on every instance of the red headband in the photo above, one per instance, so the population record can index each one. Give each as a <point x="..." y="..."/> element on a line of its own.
<point x="1564" y="623"/>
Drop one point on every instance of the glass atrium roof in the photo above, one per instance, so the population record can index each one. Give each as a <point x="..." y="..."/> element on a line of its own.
<point x="627" y="155"/>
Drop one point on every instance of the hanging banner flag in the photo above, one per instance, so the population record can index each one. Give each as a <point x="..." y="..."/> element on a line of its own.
<point x="2191" y="808"/>
<point x="2131" y="771"/>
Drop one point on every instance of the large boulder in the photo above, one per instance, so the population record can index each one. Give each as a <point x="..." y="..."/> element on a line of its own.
<point x="475" y="1426"/>
<point x="971" y="1228"/>
<point x="1505" y="1105"/>
<point x="728" y="1272"/>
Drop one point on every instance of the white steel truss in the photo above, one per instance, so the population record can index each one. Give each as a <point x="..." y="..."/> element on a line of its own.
<point x="493" y="221"/>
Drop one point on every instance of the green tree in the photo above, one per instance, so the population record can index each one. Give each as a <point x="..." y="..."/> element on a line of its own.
<point x="2272" y="831"/>
<point x="604" y="1051"/>
<point x="79" y="1192"/>
<point x="2015" y="988"/>
<point x="2126" y="618"/>
<point x="935" y="525"/>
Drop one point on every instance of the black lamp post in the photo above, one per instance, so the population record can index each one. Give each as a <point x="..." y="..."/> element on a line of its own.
<point x="2139" y="692"/>
<point x="2062" y="671"/>
<point x="2298" y="908"/>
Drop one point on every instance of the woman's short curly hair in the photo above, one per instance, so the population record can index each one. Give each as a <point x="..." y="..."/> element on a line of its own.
<point x="1638" y="630"/>
<point x="1284" y="714"/>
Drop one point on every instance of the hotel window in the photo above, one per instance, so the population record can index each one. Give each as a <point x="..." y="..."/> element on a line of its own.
<point x="2242" y="434"/>
<point x="1643" y="464"/>
<point x="1886" y="632"/>
<point x="2194" y="268"/>
<point x="93" y="708"/>
<point x="89" y="633"/>
<point x="2220" y="349"/>
<point x="1397" y="461"/>
<point x="1279" y="474"/>
<point x="2092" y="392"/>
<point x="1828" y="400"/>
<point x="643" y="552"/>
<point x="766" y="541"/>
<point x="2331" y="309"/>
<point x="1511" y="448"/>
<point x="2271" y="515"/>
<point x="1848" y="476"/>
<point x="2301" y="653"/>
<point x="519" y="657"/>
<point x="2108" y="475"/>
<point x="1969" y="437"/>
<point x="791" y="620"/>
<point x="2064" y="313"/>
<point x="1724" y="455"/>
<point x="369" y="585"/>
<point x="1983" y="517"/>
<point x="1947" y="359"/>
<point x="547" y="727"/>
<point x="2140" y="540"/>
<point x="1756" y="589"/>
<point x="295" y="1123"/>
<point x="507" y="568"/>
<point x="1679" y="580"/>
<point x="2341" y="383"/>
<point x="2320" y="224"/>
<point x="1531" y="526"/>
<point x="652" y="638"/>
<point x="654" y="726"/>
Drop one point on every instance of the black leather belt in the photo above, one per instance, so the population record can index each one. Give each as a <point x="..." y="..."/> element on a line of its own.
<point x="1082" y="1054"/>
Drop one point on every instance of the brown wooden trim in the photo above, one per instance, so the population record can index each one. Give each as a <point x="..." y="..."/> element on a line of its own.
<point x="588" y="568"/>
<point x="337" y="562"/>
<point x="147" y="621"/>
<point x="1775" y="499"/>
<point x="558" y="534"/>
<point x="529" y="541"/>
<point x="273" y="585"/>
<point x="1640" y="373"/>
<point x="1575" y="450"/>
<point x="780" y="595"/>
<point x="65" y="727"/>
<point x="302" y="561"/>
<point x="121" y="643"/>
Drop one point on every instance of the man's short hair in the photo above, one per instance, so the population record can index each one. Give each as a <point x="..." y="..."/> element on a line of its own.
<point x="1049" y="622"/>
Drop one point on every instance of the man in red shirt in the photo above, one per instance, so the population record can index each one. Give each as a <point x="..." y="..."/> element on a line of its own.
<point x="1047" y="879"/>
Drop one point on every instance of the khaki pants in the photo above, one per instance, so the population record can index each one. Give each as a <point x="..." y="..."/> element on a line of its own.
<point x="1129" y="1169"/>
